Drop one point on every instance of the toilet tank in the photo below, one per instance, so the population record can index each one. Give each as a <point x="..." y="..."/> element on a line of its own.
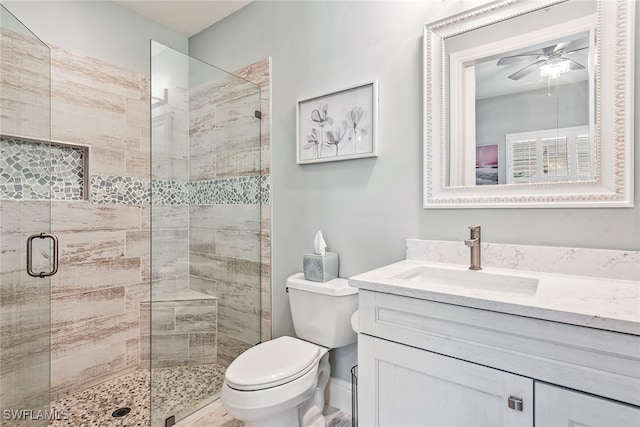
<point x="322" y="312"/>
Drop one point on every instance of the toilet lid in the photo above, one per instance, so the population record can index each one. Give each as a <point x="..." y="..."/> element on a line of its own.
<point x="272" y="363"/>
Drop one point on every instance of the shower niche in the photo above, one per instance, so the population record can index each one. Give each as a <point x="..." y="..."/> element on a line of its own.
<point x="37" y="170"/>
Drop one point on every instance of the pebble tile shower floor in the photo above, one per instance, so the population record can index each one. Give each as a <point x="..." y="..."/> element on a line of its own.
<point x="174" y="388"/>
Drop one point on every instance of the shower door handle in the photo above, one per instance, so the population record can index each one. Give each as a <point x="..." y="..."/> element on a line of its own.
<point x="30" y="255"/>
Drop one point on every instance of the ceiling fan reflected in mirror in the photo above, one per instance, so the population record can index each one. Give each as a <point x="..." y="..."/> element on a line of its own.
<point x="552" y="61"/>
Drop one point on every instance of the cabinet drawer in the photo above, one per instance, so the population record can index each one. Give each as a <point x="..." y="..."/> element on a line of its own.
<point x="596" y="361"/>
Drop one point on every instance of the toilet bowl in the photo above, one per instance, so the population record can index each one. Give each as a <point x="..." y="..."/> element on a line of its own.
<point x="267" y="384"/>
<point x="282" y="382"/>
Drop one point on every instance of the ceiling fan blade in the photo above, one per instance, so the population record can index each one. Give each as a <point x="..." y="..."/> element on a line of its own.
<point x="507" y="60"/>
<point x="573" y="64"/>
<point x="578" y="44"/>
<point x="576" y="50"/>
<point x="549" y="49"/>
<point x="526" y="70"/>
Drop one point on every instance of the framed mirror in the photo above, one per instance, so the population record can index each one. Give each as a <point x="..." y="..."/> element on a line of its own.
<point x="530" y="104"/>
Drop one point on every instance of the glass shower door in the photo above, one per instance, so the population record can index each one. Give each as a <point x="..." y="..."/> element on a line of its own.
<point x="205" y="229"/>
<point x="25" y="221"/>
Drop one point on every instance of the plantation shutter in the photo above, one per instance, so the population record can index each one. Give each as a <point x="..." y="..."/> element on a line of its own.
<point x="555" y="157"/>
<point x="523" y="158"/>
<point x="549" y="155"/>
<point x="583" y="156"/>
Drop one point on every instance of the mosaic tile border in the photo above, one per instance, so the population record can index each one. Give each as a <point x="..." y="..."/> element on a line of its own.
<point x="35" y="170"/>
<point x="119" y="190"/>
<point x="40" y="170"/>
<point x="245" y="190"/>
<point x="169" y="192"/>
<point x="265" y="189"/>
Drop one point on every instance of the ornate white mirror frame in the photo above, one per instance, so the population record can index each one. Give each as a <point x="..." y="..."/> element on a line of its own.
<point x="613" y="142"/>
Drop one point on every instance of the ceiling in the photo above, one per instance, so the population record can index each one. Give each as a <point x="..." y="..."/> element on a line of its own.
<point x="188" y="17"/>
<point x="493" y="80"/>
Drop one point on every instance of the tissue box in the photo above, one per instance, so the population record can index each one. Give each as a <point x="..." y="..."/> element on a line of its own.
<point x="320" y="268"/>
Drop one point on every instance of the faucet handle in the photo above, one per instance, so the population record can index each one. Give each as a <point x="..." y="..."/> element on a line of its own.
<point x="474" y="232"/>
<point x="471" y="242"/>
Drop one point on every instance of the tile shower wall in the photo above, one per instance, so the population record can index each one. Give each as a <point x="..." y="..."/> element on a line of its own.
<point x="229" y="194"/>
<point x="104" y="241"/>
<point x="104" y="254"/>
<point x="24" y="301"/>
<point x="24" y="108"/>
<point x="170" y="192"/>
<point x="184" y="330"/>
<point x="259" y="73"/>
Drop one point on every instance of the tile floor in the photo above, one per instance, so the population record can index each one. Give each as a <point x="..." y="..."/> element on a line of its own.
<point x="214" y="415"/>
<point x="176" y="390"/>
<point x="178" y="387"/>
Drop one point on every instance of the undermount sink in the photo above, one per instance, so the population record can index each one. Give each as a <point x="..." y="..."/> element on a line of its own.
<point x="430" y="277"/>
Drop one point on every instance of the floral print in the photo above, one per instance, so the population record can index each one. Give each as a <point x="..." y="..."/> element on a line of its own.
<point x="334" y="136"/>
<point x="313" y="142"/>
<point x="355" y="116"/>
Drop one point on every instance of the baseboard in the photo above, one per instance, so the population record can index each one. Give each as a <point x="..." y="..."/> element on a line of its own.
<point x="340" y="394"/>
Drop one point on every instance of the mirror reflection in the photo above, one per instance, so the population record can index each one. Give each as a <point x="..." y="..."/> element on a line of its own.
<point x="522" y="99"/>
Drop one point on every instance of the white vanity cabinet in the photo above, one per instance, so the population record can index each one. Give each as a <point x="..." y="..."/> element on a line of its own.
<point x="557" y="406"/>
<point x="404" y="386"/>
<point x="427" y="363"/>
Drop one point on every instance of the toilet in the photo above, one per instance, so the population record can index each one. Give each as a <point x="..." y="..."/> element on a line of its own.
<point x="282" y="382"/>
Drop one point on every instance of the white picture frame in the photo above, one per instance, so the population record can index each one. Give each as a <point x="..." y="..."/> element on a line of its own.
<point x="341" y="125"/>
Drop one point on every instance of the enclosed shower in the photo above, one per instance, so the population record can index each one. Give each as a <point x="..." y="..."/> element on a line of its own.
<point x="146" y="196"/>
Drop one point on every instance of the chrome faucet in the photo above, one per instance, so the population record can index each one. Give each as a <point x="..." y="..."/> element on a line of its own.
<point x="474" y="243"/>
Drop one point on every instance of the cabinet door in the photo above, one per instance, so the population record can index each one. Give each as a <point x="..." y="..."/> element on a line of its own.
<point x="558" y="407"/>
<point x="401" y="386"/>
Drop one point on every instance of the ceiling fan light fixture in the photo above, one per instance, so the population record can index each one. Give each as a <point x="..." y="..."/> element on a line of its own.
<point x="553" y="70"/>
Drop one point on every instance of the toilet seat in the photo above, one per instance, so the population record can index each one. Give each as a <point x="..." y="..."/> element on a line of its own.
<point x="272" y="363"/>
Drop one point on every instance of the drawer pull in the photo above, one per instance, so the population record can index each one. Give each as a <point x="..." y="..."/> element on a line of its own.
<point x="515" y="403"/>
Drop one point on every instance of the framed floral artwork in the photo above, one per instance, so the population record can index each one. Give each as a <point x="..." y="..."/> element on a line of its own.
<point x="341" y="125"/>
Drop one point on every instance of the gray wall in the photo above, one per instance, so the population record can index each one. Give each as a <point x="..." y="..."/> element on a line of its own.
<point x="367" y="208"/>
<point x="99" y="29"/>
<point x="529" y="111"/>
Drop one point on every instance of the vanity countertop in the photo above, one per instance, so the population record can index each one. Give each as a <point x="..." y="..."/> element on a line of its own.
<point x="608" y="304"/>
